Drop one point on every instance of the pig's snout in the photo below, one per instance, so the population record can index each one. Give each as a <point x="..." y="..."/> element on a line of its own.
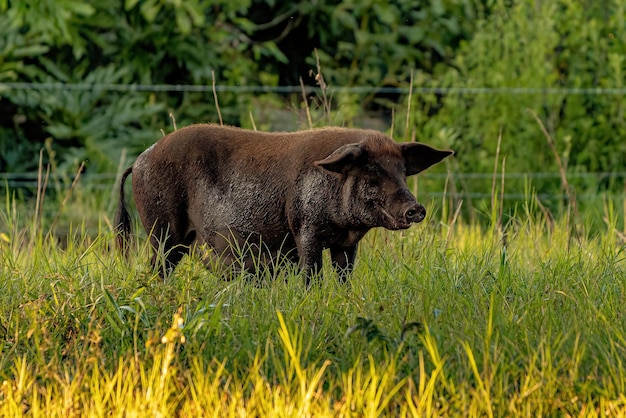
<point x="414" y="214"/>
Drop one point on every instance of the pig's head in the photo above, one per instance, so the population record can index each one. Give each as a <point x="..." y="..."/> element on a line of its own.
<point x="374" y="189"/>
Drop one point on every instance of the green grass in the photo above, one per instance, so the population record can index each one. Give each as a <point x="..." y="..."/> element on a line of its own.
<point x="440" y="320"/>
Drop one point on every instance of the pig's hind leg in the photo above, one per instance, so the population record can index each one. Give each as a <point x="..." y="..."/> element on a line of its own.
<point x="170" y="243"/>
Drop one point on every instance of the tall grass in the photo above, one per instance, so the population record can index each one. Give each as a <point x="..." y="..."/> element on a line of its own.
<point x="447" y="318"/>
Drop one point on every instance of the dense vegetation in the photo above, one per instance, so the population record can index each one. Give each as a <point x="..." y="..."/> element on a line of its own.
<point x="526" y="54"/>
<point x="243" y="43"/>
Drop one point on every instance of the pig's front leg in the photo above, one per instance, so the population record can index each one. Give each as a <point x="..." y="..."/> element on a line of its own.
<point x="310" y="253"/>
<point x="343" y="260"/>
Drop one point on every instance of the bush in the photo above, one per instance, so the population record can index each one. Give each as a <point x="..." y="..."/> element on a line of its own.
<point x="547" y="57"/>
<point x="156" y="42"/>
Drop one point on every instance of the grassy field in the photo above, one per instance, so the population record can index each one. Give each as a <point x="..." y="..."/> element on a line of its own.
<point x="445" y="319"/>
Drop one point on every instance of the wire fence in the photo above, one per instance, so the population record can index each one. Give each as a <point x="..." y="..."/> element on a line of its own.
<point x="196" y="88"/>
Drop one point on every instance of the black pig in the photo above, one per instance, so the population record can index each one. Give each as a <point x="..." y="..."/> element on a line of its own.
<point x="251" y="196"/>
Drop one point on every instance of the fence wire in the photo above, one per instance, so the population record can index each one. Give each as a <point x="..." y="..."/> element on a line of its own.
<point x="202" y="88"/>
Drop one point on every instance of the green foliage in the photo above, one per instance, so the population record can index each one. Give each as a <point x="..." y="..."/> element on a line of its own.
<point x="379" y="43"/>
<point x="84" y="122"/>
<point x="111" y="43"/>
<point x="191" y="42"/>
<point x="523" y="54"/>
<point x="53" y="22"/>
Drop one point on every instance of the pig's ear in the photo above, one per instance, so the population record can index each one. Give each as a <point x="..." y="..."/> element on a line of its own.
<point x="418" y="157"/>
<point x="343" y="158"/>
